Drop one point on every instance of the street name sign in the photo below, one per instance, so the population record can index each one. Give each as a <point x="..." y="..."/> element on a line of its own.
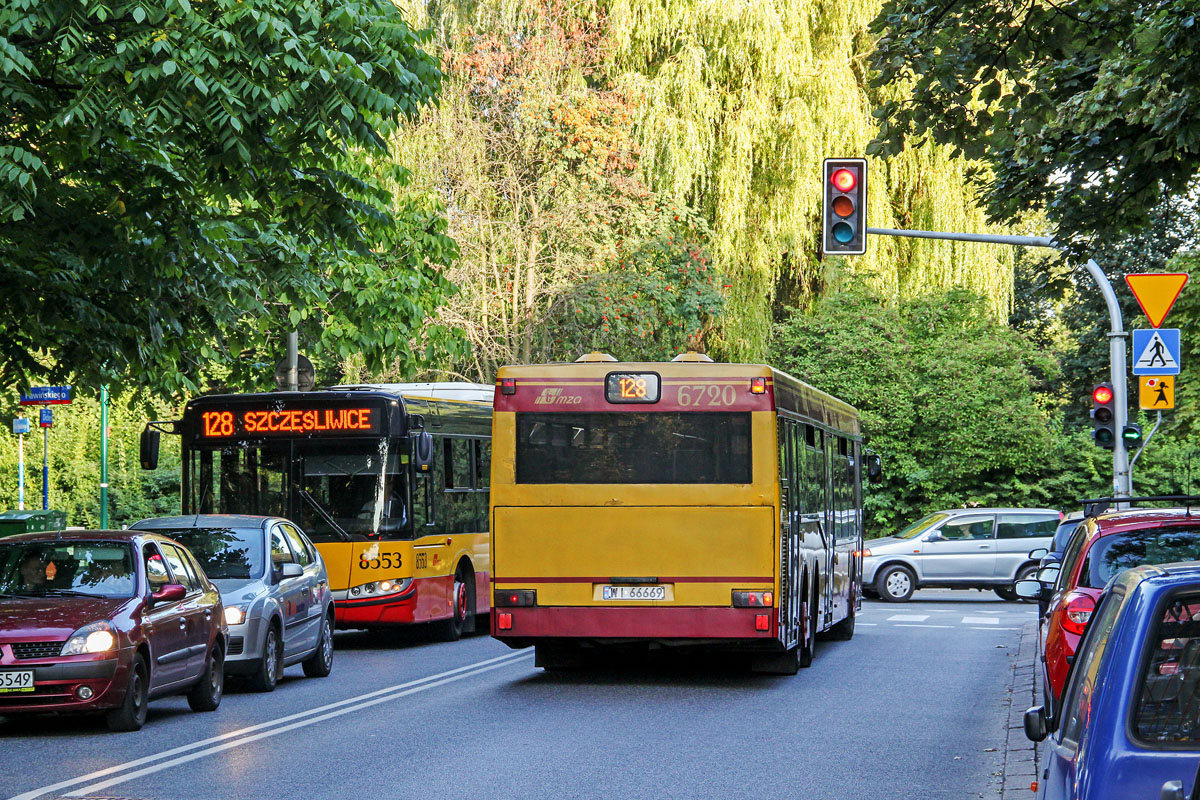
<point x="47" y="418"/>
<point x="1156" y="351"/>
<point x="46" y="396"/>
<point x="1157" y="394"/>
<point x="1156" y="292"/>
<point x="21" y="425"/>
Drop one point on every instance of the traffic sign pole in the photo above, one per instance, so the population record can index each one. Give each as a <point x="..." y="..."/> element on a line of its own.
<point x="46" y="468"/>
<point x="20" y="472"/>
<point x="104" y="457"/>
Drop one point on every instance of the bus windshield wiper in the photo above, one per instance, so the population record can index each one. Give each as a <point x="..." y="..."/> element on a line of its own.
<point x="320" y="509"/>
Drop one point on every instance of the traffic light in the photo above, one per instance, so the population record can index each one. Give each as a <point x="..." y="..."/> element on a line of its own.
<point x="1132" y="434"/>
<point x="1103" y="425"/>
<point x="844" y="218"/>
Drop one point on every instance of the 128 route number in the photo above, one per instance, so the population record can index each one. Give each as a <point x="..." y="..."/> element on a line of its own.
<point x="707" y="395"/>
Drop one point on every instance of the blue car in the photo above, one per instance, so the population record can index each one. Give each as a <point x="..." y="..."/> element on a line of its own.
<point x="1129" y="723"/>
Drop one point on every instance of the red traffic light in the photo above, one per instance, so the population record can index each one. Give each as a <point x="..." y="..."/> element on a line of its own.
<point x="1102" y="395"/>
<point x="843" y="180"/>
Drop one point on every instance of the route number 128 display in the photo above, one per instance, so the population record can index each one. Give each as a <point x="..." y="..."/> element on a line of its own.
<point x="632" y="387"/>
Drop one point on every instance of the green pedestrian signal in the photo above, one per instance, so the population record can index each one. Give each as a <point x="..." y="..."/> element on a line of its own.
<point x="1132" y="433"/>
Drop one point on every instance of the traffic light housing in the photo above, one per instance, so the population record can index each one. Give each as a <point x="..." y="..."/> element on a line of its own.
<point x="844" y="216"/>
<point x="1103" y="418"/>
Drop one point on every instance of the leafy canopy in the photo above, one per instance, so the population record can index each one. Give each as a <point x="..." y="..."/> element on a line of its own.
<point x="180" y="181"/>
<point x="1086" y="110"/>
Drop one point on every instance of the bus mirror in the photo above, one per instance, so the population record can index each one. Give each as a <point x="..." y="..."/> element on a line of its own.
<point x="422" y="455"/>
<point x="149" y="448"/>
<point x="874" y="468"/>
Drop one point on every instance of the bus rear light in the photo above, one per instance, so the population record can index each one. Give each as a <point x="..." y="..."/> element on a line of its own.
<point x="759" y="599"/>
<point x="504" y="621"/>
<point x="516" y="598"/>
<point x="508" y="386"/>
<point x="762" y="622"/>
<point x="1078" y="612"/>
<point x="758" y="386"/>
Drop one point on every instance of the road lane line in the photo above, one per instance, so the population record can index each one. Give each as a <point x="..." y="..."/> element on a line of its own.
<point x="994" y="629"/>
<point x="908" y="618"/>
<point x="870" y="624"/>
<point x="910" y="625"/>
<point x="417" y="684"/>
<point x="981" y="620"/>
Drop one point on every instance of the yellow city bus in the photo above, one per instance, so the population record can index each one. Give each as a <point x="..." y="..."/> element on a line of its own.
<point x="687" y="503"/>
<point x="390" y="481"/>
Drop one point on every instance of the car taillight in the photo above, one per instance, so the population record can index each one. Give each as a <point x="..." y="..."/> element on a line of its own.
<point x="1078" y="612"/>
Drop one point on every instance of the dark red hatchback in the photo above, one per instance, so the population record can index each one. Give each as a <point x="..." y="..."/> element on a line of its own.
<point x="105" y="621"/>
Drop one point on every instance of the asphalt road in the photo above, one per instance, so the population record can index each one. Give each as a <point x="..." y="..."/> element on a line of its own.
<point x="913" y="707"/>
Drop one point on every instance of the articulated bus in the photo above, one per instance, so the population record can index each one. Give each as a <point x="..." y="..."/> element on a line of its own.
<point x="390" y="482"/>
<point x="688" y="503"/>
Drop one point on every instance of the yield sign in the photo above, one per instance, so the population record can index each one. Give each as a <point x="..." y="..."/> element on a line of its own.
<point x="1156" y="292"/>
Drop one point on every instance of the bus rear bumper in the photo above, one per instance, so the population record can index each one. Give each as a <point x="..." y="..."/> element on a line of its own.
<point x="593" y="622"/>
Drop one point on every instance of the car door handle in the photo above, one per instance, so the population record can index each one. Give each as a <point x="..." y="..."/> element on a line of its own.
<point x="984" y="546"/>
<point x="183" y="624"/>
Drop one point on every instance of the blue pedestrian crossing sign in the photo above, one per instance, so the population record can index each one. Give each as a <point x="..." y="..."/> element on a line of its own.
<point x="1156" y="351"/>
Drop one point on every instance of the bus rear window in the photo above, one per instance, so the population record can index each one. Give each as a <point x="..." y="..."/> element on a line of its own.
<point x="622" y="447"/>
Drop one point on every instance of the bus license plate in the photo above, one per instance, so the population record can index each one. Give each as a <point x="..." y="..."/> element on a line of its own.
<point x="635" y="592"/>
<point x="16" y="681"/>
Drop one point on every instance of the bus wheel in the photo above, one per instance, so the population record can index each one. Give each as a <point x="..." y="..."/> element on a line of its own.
<point x="808" y="647"/>
<point x="462" y="602"/>
<point x="785" y="663"/>
<point x="844" y="630"/>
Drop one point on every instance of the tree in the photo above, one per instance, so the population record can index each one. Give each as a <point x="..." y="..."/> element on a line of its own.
<point x="181" y="182"/>
<point x="1087" y="110"/>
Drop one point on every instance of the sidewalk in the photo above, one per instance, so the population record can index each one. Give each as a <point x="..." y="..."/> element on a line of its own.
<point x="1020" y="754"/>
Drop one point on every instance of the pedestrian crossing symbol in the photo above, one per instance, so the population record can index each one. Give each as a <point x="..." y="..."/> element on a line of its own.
<point x="1156" y="351"/>
<point x="1157" y="394"/>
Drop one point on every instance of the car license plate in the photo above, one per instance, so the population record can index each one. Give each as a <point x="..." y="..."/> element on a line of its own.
<point x="635" y="592"/>
<point x="16" y="681"/>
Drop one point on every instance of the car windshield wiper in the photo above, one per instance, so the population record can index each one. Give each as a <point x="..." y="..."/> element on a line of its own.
<point x="71" y="593"/>
<point x="320" y="509"/>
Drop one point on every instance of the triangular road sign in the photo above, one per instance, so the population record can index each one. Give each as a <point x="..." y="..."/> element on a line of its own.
<point x="1156" y="292"/>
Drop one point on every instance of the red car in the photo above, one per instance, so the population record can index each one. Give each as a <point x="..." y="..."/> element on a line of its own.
<point x="106" y="621"/>
<point x="1101" y="547"/>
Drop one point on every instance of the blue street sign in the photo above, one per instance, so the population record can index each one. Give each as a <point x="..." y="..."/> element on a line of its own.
<point x="47" y="418"/>
<point x="46" y="395"/>
<point x="21" y="425"/>
<point x="1156" y="351"/>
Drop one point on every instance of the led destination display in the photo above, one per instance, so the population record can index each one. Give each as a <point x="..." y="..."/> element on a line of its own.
<point x="290" y="422"/>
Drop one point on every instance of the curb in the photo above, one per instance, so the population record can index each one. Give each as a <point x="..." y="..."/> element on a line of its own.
<point x="1020" y="754"/>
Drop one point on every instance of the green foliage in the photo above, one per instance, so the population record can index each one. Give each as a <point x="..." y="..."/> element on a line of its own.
<point x="1086" y="110"/>
<point x="179" y="182"/>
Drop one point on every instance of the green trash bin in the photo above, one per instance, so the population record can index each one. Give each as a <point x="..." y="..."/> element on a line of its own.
<point x="13" y="522"/>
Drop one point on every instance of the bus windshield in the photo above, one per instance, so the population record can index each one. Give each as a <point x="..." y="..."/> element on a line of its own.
<point x="630" y="447"/>
<point x="337" y="490"/>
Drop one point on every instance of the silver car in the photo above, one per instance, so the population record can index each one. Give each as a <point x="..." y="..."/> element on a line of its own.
<point x="273" y="586"/>
<point x="962" y="548"/>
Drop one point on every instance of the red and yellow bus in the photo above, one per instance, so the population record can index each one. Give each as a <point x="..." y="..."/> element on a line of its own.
<point x="676" y="504"/>
<point x="390" y="481"/>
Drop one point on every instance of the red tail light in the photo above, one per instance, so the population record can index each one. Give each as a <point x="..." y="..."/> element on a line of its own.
<point x="762" y="622"/>
<point x="508" y="386"/>
<point x="1078" y="612"/>
<point x="504" y="621"/>
<point x="758" y="385"/>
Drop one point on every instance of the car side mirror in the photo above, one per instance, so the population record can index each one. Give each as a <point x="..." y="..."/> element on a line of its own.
<point x="1048" y="575"/>
<point x="934" y="537"/>
<point x="290" y="570"/>
<point x="148" y="448"/>
<point x="1029" y="589"/>
<point x="1038" y="554"/>
<point x="1037" y="728"/>
<point x="171" y="593"/>
<point x="1172" y="790"/>
<point x="874" y="468"/>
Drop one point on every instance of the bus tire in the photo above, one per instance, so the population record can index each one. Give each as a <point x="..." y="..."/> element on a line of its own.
<point x="785" y="663"/>
<point x="808" y="646"/>
<point x="462" y="604"/>
<point x="844" y="630"/>
<point x="895" y="584"/>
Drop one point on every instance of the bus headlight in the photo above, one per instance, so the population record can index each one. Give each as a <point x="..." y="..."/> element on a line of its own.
<point x="381" y="588"/>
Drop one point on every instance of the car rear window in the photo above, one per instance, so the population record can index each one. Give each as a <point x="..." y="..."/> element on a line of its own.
<point x="1168" y="706"/>
<point x="1111" y="554"/>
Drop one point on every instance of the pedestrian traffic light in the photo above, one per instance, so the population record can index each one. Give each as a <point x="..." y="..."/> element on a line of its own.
<point x="844" y="218"/>
<point x="1132" y="434"/>
<point x="1103" y="424"/>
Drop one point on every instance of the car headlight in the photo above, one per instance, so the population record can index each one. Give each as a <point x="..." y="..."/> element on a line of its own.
<point x="98" y="637"/>
<point x="235" y="615"/>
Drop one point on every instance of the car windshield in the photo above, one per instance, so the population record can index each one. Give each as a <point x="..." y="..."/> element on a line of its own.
<point x="66" y="569"/>
<point x="223" y="552"/>
<point x="1111" y="554"/>
<point x="920" y="526"/>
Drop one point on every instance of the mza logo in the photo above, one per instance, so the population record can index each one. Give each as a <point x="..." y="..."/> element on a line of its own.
<point x="555" y="397"/>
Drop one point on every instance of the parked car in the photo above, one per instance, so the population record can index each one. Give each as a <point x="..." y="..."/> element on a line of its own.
<point x="1130" y="719"/>
<point x="962" y="548"/>
<point x="1101" y="547"/>
<point x="1062" y="534"/>
<point x="106" y="621"/>
<point x="279" y="609"/>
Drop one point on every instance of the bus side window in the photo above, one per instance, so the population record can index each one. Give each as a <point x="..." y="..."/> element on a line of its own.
<point x="423" y="506"/>
<point x="483" y="463"/>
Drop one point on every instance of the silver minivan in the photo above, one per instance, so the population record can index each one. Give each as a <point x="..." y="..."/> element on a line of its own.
<point x="273" y="586"/>
<point x="961" y="548"/>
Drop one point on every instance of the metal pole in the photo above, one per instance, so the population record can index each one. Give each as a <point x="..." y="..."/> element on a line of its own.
<point x="21" y="472"/>
<point x="986" y="238"/>
<point x="293" y="355"/>
<point x="45" y="469"/>
<point x="104" y="457"/>
<point x="1133" y="461"/>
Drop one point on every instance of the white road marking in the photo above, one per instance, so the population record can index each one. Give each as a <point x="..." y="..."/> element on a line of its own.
<point x="995" y="629"/>
<point x="869" y="624"/>
<point x="270" y="728"/>
<point x="981" y="620"/>
<point x="902" y="625"/>
<point x="908" y="618"/>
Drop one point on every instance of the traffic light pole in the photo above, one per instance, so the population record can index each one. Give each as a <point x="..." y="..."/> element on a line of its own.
<point x="1116" y="336"/>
